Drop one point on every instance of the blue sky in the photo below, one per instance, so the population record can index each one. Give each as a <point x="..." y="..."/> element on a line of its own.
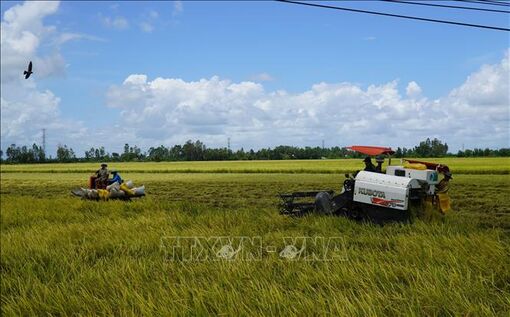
<point x="96" y="46"/>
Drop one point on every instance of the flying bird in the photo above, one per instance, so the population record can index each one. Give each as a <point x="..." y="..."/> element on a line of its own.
<point x="29" y="71"/>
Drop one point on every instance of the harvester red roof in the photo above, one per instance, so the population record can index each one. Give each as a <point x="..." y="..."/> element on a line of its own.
<point x="371" y="150"/>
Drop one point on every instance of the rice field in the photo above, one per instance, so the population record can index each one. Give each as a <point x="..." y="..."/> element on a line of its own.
<point x="64" y="256"/>
<point x="486" y="165"/>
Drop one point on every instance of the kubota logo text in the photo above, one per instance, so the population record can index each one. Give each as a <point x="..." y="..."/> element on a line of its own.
<point x="371" y="192"/>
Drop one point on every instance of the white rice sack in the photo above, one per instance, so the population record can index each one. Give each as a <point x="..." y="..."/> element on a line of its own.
<point x="129" y="184"/>
<point x="115" y="185"/>
<point x="86" y="192"/>
<point x="92" y="194"/>
<point x="115" y="193"/>
<point x="139" y="190"/>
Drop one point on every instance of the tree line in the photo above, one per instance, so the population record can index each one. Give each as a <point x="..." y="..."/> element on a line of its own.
<point x="197" y="151"/>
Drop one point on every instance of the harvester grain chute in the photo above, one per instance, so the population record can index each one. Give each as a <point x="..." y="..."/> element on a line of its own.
<point x="399" y="194"/>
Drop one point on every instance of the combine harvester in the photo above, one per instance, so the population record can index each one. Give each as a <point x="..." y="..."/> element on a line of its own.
<point x="400" y="194"/>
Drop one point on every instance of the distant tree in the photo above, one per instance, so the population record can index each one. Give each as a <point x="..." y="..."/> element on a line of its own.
<point x="197" y="151"/>
<point x="503" y="152"/>
<point x="38" y="153"/>
<point x="90" y="154"/>
<point x="193" y="151"/>
<point x="239" y="155"/>
<point x="176" y="153"/>
<point x="158" y="154"/>
<point x="24" y="154"/>
<point x="431" y="148"/>
<point x="65" y="154"/>
<point x="115" y="156"/>
<point x="11" y="153"/>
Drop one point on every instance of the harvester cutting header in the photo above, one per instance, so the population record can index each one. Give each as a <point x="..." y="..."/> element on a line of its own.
<point x="398" y="194"/>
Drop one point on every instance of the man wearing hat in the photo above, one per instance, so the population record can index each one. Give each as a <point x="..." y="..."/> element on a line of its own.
<point x="369" y="167"/>
<point x="102" y="176"/>
<point x="380" y="160"/>
<point x="115" y="178"/>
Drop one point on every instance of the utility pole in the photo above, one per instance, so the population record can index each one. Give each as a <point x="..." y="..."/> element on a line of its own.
<point x="323" y="144"/>
<point x="44" y="141"/>
<point x="228" y="144"/>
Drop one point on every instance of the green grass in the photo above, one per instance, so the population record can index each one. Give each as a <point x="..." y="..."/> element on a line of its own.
<point x="62" y="255"/>
<point x="489" y="165"/>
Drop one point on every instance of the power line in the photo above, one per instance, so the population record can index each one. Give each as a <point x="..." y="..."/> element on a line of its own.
<point x="397" y="15"/>
<point x="493" y="3"/>
<point x="446" y="6"/>
<point x="504" y="2"/>
<point x="487" y="2"/>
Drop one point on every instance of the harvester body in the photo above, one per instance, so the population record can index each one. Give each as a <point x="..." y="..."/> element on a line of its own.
<point x="377" y="196"/>
<point x="383" y="190"/>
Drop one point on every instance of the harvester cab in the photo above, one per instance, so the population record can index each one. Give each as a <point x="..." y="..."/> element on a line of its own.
<point x="400" y="193"/>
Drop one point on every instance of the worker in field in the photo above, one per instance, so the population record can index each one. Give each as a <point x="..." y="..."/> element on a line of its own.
<point x="116" y="178"/>
<point x="444" y="184"/>
<point x="380" y="160"/>
<point x="369" y="167"/>
<point x="102" y="176"/>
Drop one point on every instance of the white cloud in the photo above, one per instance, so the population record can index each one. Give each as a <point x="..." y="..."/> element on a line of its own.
<point x="118" y="23"/>
<point x="413" y="89"/>
<point x="479" y="110"/>
<point x="487" y="87"/>
<point x="69" y="36"/>
<point x="146" y="27"/>
<point x="25" y="109"/>
<point x="169" y="110"/>
<point x="149" y="20"/>
<point x="21" y="33"/>
<point x="27" y="18"/>
<point x="153" y="14"/>
<point x="178" y="8"/>
<point x="262" y="77"/>
<point x="136" y="79"/>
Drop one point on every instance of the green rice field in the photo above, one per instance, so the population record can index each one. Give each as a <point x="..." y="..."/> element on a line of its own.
<point x="487" y="165"/>
<point x="61" y="255"/>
